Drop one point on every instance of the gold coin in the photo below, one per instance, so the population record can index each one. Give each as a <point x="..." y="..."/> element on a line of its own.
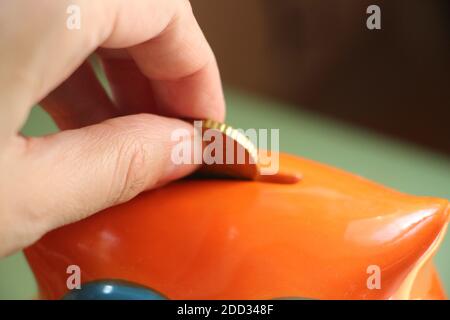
<point x="228" y="152"/>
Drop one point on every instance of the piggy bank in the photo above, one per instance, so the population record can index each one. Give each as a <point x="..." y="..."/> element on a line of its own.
<point x="331" y="235"/>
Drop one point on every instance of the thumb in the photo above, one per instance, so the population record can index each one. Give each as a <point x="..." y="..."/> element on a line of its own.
<point x="68" y="176"/>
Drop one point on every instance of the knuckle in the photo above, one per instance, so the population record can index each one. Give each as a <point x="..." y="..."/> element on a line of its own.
<point x="132" y="166"/>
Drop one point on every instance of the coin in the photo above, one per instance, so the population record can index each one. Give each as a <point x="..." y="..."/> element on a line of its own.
<point x="237" y="155"/>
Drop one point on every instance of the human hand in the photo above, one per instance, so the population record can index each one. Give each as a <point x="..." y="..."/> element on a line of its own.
<point x="159" y="65"/>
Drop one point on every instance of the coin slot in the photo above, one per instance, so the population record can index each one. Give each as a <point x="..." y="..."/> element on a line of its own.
<point x="280" y="178"/>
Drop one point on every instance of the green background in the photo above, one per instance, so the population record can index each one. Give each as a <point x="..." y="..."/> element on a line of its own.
<point x="404" y="167"/>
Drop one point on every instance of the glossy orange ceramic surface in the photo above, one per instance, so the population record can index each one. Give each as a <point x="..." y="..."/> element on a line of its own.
<point x="225" y="239"/>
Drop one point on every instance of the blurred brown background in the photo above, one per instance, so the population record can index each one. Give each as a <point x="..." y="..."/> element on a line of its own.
<point x="318" y="54"/>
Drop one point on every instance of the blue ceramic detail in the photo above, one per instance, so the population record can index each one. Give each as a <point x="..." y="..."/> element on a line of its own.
<point x="112" y="290"/>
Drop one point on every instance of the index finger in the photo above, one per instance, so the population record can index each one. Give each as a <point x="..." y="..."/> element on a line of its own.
<point x="179" y="62"/>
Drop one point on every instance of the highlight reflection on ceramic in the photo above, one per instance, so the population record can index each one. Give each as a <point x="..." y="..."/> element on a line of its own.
<point x="380" y="229"/>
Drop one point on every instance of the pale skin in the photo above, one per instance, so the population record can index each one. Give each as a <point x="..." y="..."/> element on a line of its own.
<point x="160" y="68"/>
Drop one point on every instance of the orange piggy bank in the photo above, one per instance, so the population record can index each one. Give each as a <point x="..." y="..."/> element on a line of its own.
<point x="331" y="235"/>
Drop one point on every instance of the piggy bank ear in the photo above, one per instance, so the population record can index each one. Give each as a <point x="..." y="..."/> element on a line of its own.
<point x="113" y="290"/>
<point x="402" y="245"/>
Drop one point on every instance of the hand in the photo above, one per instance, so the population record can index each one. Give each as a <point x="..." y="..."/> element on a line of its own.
<point x="159" y="65"/>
